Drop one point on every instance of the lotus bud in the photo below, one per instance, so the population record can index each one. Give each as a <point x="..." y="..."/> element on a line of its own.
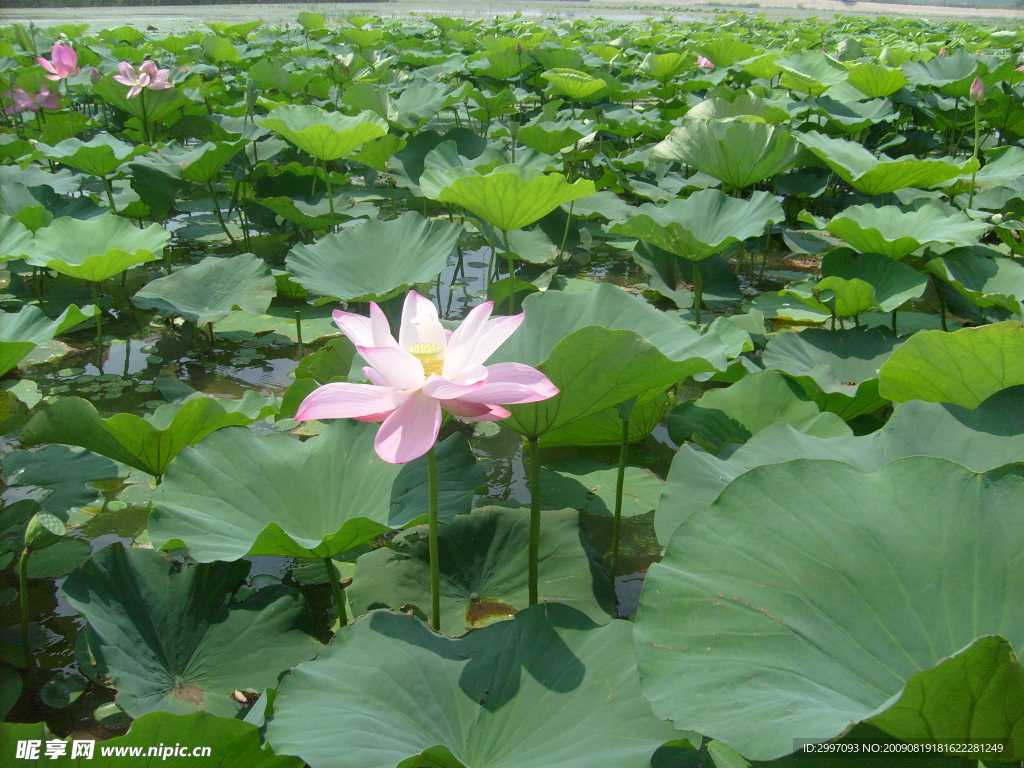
<point x="519" y="49"/>
<point x="943" y="51"/>
<point x="43" y="530"/>
<point x="997" y="218"/>
<point x="95" y="75"/>
<point x="977" y="92"/>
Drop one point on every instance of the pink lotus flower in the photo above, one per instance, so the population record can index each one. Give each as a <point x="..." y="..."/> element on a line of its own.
<point x="147" y="76"/>
<point x="31" y="102"/>
<point x="63" y="64"/>
<point x="976" y="93"/>
<point x="704" y="63"/>
<point x="426" y="371"/>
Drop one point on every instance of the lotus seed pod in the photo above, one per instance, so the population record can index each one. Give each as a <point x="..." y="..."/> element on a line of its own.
<point x="43" y="530"/>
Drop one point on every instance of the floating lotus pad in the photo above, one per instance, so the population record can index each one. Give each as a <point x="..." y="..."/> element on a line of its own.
<point x="98" y="248"/>
<point x="24" y="330"/>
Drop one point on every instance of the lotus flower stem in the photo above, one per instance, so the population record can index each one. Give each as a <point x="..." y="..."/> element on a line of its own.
<point x="698" y="290"/>
<point x="435" y="561"/>
<point x="110" y="194"/>
<point x="220" y="216"/>
<point x="23" y="594"/>
<point x="534" y="557"/>
<point x="970" y="202"/>
<point x="99" y="320"/>
<point x="511" y="275"/>
<point x="298" y="326"/>
<point x="339" y="597"/>
<point x="565" y="232"/>
<point x="330" y="195"/>
<point x="625" y="412"/>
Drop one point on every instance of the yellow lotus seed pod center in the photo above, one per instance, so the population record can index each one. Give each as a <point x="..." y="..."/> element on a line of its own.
<point x="428" y="356"/>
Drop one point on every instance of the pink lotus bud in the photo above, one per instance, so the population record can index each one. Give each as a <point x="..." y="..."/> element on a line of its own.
<point x="943" y="51"/>
<point x="977" y="92"/>
<point x="95" y="75"/>
<point x="705" y="63"/>
<point x="519" y="48"/>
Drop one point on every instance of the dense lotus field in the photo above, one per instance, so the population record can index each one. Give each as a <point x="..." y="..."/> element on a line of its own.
<point x="506" y="394"/>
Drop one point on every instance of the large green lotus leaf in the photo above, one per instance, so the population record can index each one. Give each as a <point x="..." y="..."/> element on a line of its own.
<point x="663" y="66"/>
<point x="854" y="585"/>
<point x="24" y="330"/>
<point x="508" y="197"/>
<point x="314" y="214"/>
<point x="169" y="637"/>
<point x="984" y="438"/>
<point x="547" y="689"/>
<point x="982" y="280"/>
<point x="375" y="260"/>
<point x="754" y="403"/>
<point x="589" y="486"/>
<point x="876" y="80"/>
<point x="203" y="164"/>
<point x="97" y="248"/>
<point x="483" y="570"/>
<point x="573" y="83"/>
<point x="100" y="156"/>
<point x="605" y="427"/>
<point x="149" y="444"/>
<point x="417" y="104"/>
<point x="852" y="117"/>
<point x="15" y="239"/>
<point x="552" y="136"/>
<point x="744" y="105"/>
<point x="211" y="290"/>
<point x="236" y="494"/>
<point x="231" y="743"/>
<point x="880" y="175"/>
<point x="724" y="51"/>
<point x="891" y="283"/>
<point x="942" y="70"/>
<point x="837" y="369"/>
<point x="553" y="315"/>
<point x="60" y="478"/>
<point x="702" y="224"/>
<point x="810" y="72"/>
<point x="896" y="233"/>
<point x="459" y="475"/>
<point x="316" y="322"/>
<point x="964" y="367"/>
<point x="325" y="135"/>
<point x="737" y="154"/>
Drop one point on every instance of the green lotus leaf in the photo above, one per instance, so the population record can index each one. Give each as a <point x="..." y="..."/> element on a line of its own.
<point x="325" y="135"/>
<point x="810" y="72"/>
<point x="733" y="415"/>
<point x="984" y="438"/>
<point x="283" y="320"/>
<point x="573" y="84"/>
<point x="737" y="154"/>
<point x="149" y="444"/>
<point x="983" y="280"/>
<point x="549" y="672"/>
<point x="876" y="80"/>
<point x="483" y="570"/>
<point x="98" y="248"/>
<point x="1004" y="166"/>
<point x="314" y="214"/>
<point x="203" y="164"/>
<point x="414" y="107"/>
<point x="817" y="566"/>
<point x="890" y="283"/>
<point x="964" y="367"/>
<point x="552" y="136"/>
<point x="605" y="427"/>
<point x="211" y="290"/>
<point x="60" y="478"/>
<point x="880" y="175"/>
<point x="943" y="71"/>
<point x="837" y="369"/>
<point x="236" y="494"/>
<point x="311" y="22"/>
<point x="170" y="638"/>
<point x="15" y="239"/>
<point x="702" y="224"/>
<point x="220" y="50"/>
<point x="100" y="156"/>
<point x="663" y="66"/>
<point x="508" y="196"/>
<point x="459" y="475"/>
<point x="151" y="106"/>
<point x="852" y="117"/>
<point x="725" y="51"/>
<point x="896" y="233"/>
<point x="742" y="105"/>
<point x="375" y="260"/>
<point x="589" y="486"/>
<point x="26" y="329"/>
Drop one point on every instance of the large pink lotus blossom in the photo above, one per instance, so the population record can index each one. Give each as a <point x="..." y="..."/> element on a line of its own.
<point x="427" y="370"/>
<point x="147" y="76"/>
<point x="63" y="62"/>
<point x="30" y="102"/>
<point x="705" y="63"/>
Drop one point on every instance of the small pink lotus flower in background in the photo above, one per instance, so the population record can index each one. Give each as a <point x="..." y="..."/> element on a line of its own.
<point x="427" y="370"/>
<point x="943" y="51"/>
<point x="95" y="75"/>
<point x="63" y="62"/>
<point x="147" y="76"/>
<point x="705" y="63"/>
<point x="30" y="102"/>
<point x="1020" y="68"/>
<point x="977" y="92"/>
